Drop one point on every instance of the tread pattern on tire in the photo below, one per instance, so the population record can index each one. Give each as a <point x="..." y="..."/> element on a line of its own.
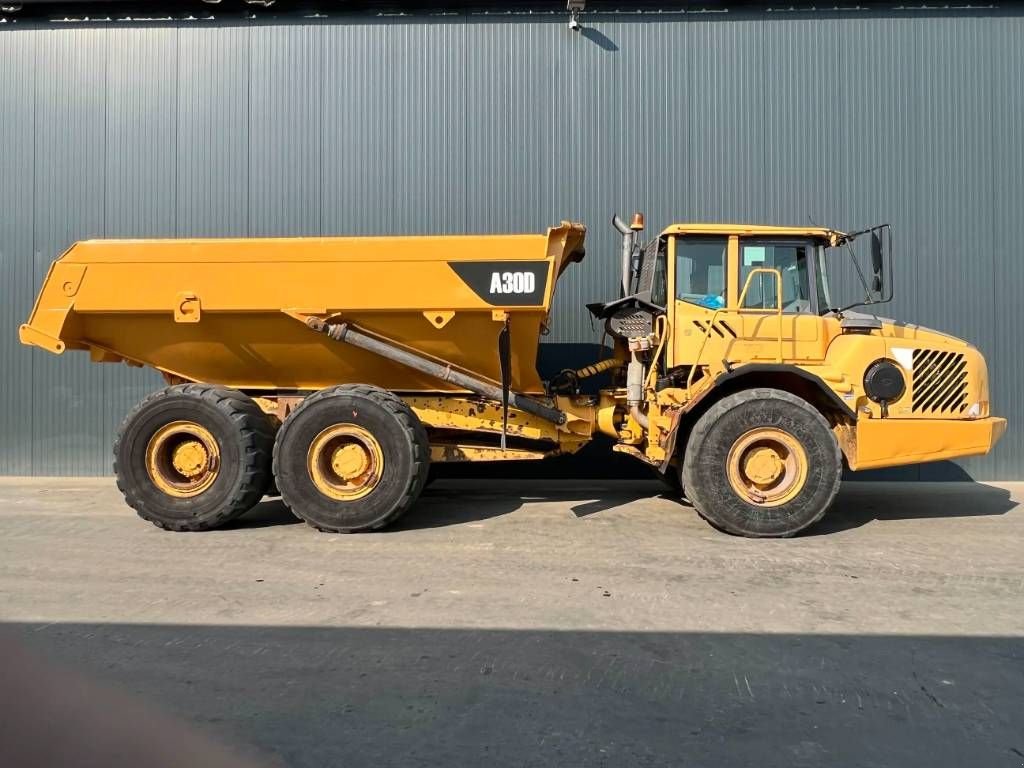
<point x="257" y="446"/>
<point x="409" y="422"/>
<point x="705" y="424"/>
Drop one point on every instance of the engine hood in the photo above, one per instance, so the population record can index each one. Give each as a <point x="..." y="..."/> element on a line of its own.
<point x="899" y="331"/>
<point x="919" y="334"/>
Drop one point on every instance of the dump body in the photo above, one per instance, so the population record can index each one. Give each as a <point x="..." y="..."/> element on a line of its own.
<point x="224" y="311"/>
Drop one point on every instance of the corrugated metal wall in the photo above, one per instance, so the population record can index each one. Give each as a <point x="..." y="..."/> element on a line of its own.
<point x="481" y="124"/>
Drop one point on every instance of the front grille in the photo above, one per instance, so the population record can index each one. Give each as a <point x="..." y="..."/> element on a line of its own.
<point x="939" y="382"/>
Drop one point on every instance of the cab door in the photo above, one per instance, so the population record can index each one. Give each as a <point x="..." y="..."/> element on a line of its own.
<point x="764" y="266"/>
<point x="702" y="326"/>
<point x="712" y="327"/>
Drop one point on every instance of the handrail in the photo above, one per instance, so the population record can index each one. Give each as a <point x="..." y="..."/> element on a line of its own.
<point x="741" y="310"/>
<point x="664" y="336"/>
<point x="778" y="298"/>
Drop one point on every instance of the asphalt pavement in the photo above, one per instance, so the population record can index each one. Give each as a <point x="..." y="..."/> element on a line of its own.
<point x="517" y="623"/>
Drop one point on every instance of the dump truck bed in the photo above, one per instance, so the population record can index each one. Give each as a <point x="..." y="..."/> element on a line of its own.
<point x="226" y="311"/>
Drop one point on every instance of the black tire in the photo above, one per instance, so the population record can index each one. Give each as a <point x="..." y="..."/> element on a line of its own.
<point x="705" y="465"/>
<point x="244" y="437"/>
<point x="402" y="440"/>
<point x="671" y="480"/>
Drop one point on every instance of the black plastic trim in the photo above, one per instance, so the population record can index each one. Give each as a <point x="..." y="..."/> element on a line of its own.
<point x="753" y="368"/>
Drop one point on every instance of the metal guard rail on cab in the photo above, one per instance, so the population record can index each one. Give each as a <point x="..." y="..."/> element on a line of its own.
<point x="350" y="334"/>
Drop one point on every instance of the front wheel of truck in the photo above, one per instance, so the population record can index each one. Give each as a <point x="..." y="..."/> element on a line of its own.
<point x="351" y="458"/>
<point x="762" y="463"/>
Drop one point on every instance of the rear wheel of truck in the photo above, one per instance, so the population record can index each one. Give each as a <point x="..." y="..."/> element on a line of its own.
<point x="762" y="463"/>
<point x="351" y="458"/>
<point x="193" y="457"/>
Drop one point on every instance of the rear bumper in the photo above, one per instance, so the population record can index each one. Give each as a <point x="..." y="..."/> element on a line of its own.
<point x="893" y="442"/>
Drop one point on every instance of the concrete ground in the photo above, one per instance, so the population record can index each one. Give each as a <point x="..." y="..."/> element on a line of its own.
<point x="524" y="623"/>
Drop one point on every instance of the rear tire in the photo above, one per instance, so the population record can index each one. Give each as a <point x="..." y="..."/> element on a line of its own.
<point x="351" y="458"/>
<point x="192" y="457"/>
<point x="762" y="463"/>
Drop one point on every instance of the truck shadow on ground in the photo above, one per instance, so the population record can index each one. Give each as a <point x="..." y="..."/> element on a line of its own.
<point x="454" y="503"/>
<point x="859" y="503"/>
<point x="462" y="502"/>
<point x="459" y="502"/>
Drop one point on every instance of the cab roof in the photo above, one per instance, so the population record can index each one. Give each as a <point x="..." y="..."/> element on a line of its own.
<point x="832" y="235"/>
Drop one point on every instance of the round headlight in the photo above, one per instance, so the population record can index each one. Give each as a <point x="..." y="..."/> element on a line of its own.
<point x="884" y="382"/>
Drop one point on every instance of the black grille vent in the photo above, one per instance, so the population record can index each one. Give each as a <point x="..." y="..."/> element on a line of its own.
<point x="648" y="262"/>
<point x="940" y="382"/>
<point x="720" y="327"/>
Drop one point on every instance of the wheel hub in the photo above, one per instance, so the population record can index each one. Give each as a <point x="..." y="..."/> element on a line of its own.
<point x="345" y="462"/>
<point x="351" y="460"/>
<point x="182" y="459"/>
<point x="763" y="465"/>
<point x="190" y="458"/>
<point x="767" y="467"/>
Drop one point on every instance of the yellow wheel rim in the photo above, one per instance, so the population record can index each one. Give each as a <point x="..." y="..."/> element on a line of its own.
<point x="345" y="462"/>
<point x="182" y="459"/>
<point x="767" y="467"/>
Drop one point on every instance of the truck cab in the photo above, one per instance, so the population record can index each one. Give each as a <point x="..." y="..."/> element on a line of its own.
<point x="757" y="387"/>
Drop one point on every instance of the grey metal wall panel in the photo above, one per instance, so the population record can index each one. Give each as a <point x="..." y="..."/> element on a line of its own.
<point x="509" y="123"/>
<point x="285" y="139"/>
<point x="358" y="161"/>
<point x="1003" y="303"/>
<point x="17" y="275"/>
<point x="69" y="395"/>
<point x="141" y="133"/>
<point x="212" y="119"/>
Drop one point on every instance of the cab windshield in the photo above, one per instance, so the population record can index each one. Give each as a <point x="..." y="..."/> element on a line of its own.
<point x="824" y="295"/>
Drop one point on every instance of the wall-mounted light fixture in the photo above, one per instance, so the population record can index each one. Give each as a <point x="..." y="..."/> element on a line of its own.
<point x="575" y="7"/>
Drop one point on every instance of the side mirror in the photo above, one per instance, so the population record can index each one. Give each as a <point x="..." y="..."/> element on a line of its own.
<point x="877" y="265"/>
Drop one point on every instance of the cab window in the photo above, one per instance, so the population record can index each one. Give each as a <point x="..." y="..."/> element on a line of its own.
<point x="700" y="270"/>
<point x="790" y="259"/>
<point x="659" y="282"/>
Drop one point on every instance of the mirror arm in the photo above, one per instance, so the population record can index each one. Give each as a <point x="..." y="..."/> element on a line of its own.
<point x="888" y="252"/>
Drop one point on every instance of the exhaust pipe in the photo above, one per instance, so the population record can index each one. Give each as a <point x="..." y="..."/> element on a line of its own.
<point x="628" y="238"/>
<point x="630" y="232"/>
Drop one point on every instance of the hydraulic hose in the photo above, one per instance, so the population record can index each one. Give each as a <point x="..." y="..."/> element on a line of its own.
<point x="596" y="368"/>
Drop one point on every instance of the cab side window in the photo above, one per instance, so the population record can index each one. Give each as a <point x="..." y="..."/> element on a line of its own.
<point x="659" y="282"/>
<point x="700" y="270"/>
<point x="791" y="262"/>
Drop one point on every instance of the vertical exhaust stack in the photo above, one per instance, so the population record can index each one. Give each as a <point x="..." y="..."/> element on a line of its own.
<point x="629" y="233"/>
<point x="635" y="369"/>
<point x="628" y="238"/>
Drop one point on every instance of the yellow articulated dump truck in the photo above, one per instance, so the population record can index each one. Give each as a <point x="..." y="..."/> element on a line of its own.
<point x="339" y="369"/>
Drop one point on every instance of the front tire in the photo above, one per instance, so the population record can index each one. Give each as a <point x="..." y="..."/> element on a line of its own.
<point x="192" y="457"/>
<point x="671" y="480"/>
<point x="762" y="463"/>
<point x="351" y="458"/>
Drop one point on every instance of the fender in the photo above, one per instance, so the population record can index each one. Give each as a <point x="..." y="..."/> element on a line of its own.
<point x="755" y="368"/>
<point x="681" y="418"/>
